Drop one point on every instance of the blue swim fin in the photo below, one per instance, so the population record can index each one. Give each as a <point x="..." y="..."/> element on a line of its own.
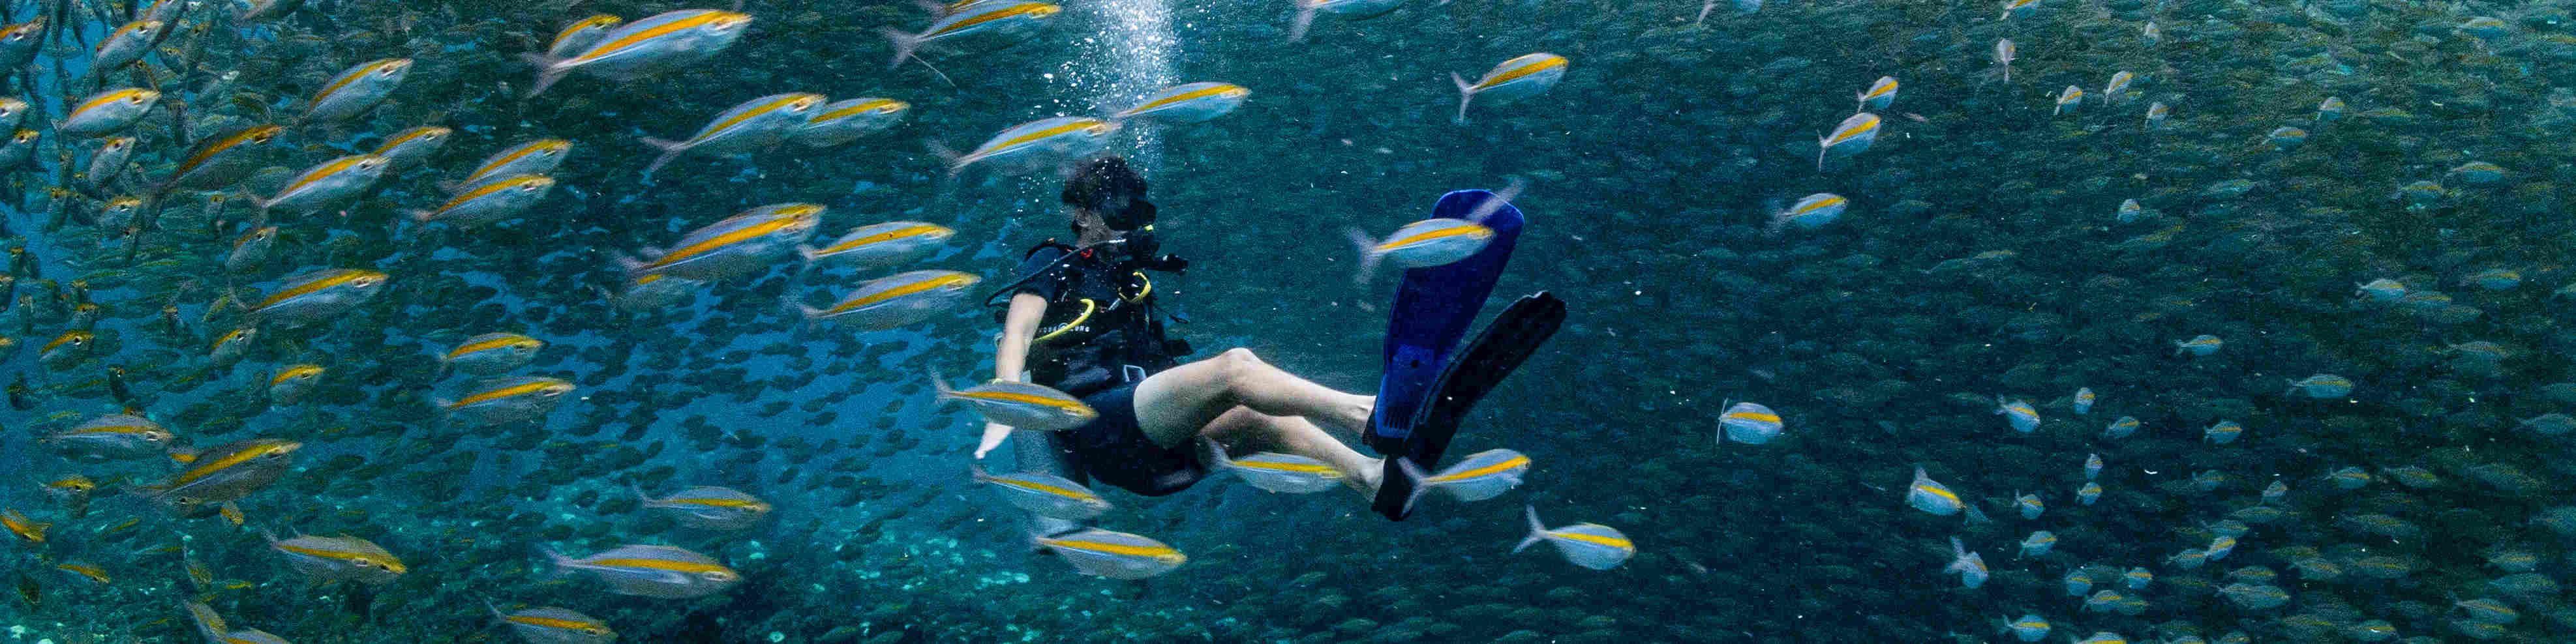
<point x="1433" y="309"/>
<point x="1426" y="390"/>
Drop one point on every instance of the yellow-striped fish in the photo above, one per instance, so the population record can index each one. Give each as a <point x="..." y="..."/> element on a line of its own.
<point x="409" y="148"/>
<point x="1521" y="77"/>
<point x="877" y="246"/>
<point x="1590" y="545"/>
<point x="1116" y="555"/>
<point x="491" y="203"/>
<point x="1356" y="9"/>
<point x="356" y="89"/>
<point x="66" y="350"/>
<point x="507" y="400"/>
<point x="1036" y="144"/>
<point x="1276" y="472"/>
<point x="338" y="558"/>
<point x="752" y="126"/>
<point x="844" y="121"/>
<point x="1852" y="136"/>
<point x="1043" y="494"/>
<point x="492" y="353"/>
<point x="708" y="507"/>
<point x="999" y="19"/>
<point x="553" y="625"/>
<point x="581" y="34"/>
<point x="534" y="157"/>
<point x="897" y="301"/>
<point x="1020" y="405"/>
<point x="657" y="44"/>
<point x="225" y="473"/>
<point x="219" y="162"/>
<point x="665" y="572"/>
<point x="29" y="530"/>
<point x="733" y="247"/>
<point x="1188" y="103"/>
<point x="292" y="383"/>
<point x="318" y="296"/>
<point x="107" y="111"/>
<point x="325" y="185"/>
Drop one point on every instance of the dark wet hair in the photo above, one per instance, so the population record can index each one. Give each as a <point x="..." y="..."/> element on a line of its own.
<point x="1106" y="185"/>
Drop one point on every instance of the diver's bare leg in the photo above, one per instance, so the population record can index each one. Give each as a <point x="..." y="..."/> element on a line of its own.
<point x="1246" y="430"/>
<point x="1174" y="405"/>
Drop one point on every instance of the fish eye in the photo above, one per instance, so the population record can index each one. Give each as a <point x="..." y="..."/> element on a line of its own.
<point x="531" y="186"/>
<point x="594" y="630"/>
<point x="134" y="98"/>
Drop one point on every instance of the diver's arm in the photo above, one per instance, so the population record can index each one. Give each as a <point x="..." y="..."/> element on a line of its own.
<point x="1011" y="355"/>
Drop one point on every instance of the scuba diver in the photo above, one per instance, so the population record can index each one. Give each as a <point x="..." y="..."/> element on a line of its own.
<point x="1084" y="320"/>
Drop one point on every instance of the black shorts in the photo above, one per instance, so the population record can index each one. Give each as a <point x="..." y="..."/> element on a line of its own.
<point x="1115" y="450"/>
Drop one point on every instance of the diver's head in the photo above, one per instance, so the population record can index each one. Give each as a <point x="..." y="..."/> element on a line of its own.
<point x="1107" y="194"/>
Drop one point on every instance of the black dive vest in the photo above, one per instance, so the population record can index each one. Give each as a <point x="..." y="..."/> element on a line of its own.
<point x="1101" y="329"/>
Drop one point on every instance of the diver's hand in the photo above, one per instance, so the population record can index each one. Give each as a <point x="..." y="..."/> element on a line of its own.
<point x="993" y="435"/>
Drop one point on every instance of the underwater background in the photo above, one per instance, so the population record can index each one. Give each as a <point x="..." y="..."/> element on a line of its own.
<point x="1985" y="258"/>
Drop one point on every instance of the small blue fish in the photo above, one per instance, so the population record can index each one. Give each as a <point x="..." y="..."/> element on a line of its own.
<point x="2092" y="466"/>
<point x="2083" y="402"/>
<point x="1853" y="136"/>
<point x="1590" y="545"/>
<point x="2027" y="628"/>
<point x="1931" y="496"/>
<point x="1188" y="103"/>
<point x="2330" y="110"/>
<point x="1115" y="555"/>
<point x="1290" y="473"/>
<point x="1811" y="211"/>
<point x="1521" y="77"/>
<point x="2274" y="492"/>
<point x="2224" y="432"/>
<point x="1971" y="568"/>
<point x="2349" y="478"/>
<point x="1748" y="423"/>
<point x="2089" y="493"/>
<point x="1477" y="477"/>
<point x="2200" y="345"/>
<point x="2069" y="100"/>
<point x="2286" y="137"/>
<point x="2037" y="544"/>
<point x="2138" y="578"/>
<point x="1044" y="494"/>
<point x="2382" y="289"/>
<point x="2018" y="413"/>
<point x="2324" y="385"/>
<point x="2029" y="504"/>
<point x="2122" y="428"/>
<point x="1881" y="93"/>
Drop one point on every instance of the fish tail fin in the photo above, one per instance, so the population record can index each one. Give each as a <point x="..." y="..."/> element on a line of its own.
<point x="939" y="382"/>
<point x="547" y="73"/>
<point x="1538" y="531"/>
<point x="1466" y="94"/>
<point x="1414" y="473"/>
<point x="496" y="610"/>
<point x="904" y="45"/>
<point x="1512" y="187"/>
<point x="638" y="489"/>
<point x="1297" y="30"/>
<point x="670" y="150"/>
<point x="977" y="470"/>
<point x="422" y="215"/>
<point x="956" y="161"/>
<point x="561" y="564"/>
<point x="1216" y="452"/>
<point x="1369" y="255"/>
